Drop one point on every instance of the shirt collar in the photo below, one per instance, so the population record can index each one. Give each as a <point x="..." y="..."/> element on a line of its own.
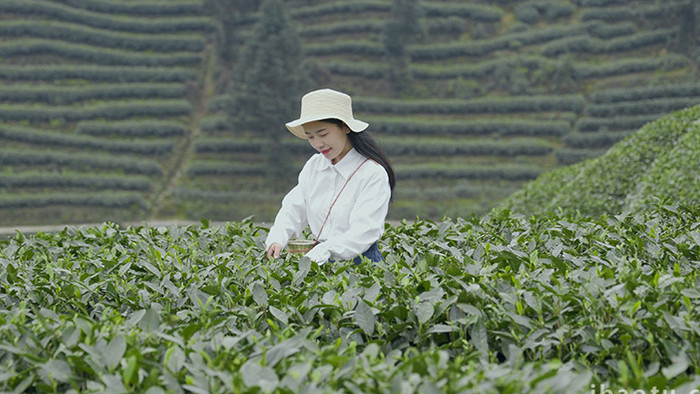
<point x="347" y="164"/>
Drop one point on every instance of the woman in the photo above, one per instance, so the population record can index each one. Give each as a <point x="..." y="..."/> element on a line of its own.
<point x="343" y="192"/>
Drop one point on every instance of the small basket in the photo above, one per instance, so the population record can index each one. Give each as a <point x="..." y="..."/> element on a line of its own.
<point x="300" y="245"/>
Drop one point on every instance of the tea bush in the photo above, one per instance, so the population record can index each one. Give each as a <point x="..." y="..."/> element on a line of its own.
<point x="92" y="73"/>
<point x="96" y="55"/>
<point x="132" y="128"/>
<point x="503" y="303"/>
<point x="645" y="166"/>
<point x="101" y="21"/>
<point x="619" y="123"/>
<point x="118" y="110"/>
<point x="573" y="103"/>
<point x="79" y="160"/>
<point x="110" y="199"/>
<point x="143" y="8"/>
<point x="474" y="127"/>
<point x="87" y="143"/>
<point x="74" y="180"/>
<point x="76" y="94"/>
<point x="640" y="107"/>
<point x="86" y="35"/>
<point x="586" y="44"/>
<point x="646" y="93"/>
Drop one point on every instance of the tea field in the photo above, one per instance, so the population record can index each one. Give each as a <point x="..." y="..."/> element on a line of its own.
<point x="503" y="303"/>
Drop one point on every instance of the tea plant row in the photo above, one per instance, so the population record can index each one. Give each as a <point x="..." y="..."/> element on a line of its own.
<point x="544" y="303"/>
<point x="86" y="35"/>
<point x="95" y="55"/>
<point x="64" y="13"/>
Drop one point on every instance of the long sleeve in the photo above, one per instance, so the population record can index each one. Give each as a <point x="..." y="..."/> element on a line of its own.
<point x="290" y="220"/>
<point x="365" y="213"/>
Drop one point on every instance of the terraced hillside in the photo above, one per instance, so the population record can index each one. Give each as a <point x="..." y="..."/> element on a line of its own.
<point x="97" y="105"/>
<point x="110" y="110"/>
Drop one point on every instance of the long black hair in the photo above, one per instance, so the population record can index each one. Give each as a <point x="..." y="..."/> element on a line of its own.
<point x="365" y="145"/>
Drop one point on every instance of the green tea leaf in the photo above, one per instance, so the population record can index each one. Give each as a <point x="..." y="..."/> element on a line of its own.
<point x="424" y="311"/>
<point x="57" y="370"/>
<point x="259" y="294"/>
<point x="680" y="364"/>
<point x="150" y="321"/>
<point x="255" y="375"/>
<point x="364" y="318"/>
<point x="304" y="268"/>
<point x="130" y="372"/>
<point x="115" y="351"/>
<point x="279" y="314"/>
<point x="479" y="338"/>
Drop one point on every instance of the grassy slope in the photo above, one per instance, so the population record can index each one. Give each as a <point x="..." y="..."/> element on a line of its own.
<point x="660" y="161"/>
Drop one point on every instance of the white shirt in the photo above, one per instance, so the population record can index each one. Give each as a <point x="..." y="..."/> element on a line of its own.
<point x="357" y="218"/>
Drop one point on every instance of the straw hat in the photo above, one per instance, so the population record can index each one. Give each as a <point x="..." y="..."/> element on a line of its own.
<point x="325" y="104"/>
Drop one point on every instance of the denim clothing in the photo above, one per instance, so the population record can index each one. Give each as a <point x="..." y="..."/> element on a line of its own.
<point x="372" y="253"/>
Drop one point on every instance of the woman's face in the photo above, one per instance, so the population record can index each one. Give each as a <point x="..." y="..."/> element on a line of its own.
<point x="329" y="139"/>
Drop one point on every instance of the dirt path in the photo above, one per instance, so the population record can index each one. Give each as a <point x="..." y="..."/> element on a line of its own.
<point x="184" y="149"/>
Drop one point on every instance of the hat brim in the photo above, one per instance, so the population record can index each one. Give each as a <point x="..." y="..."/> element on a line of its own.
<point x="297" y="126"/>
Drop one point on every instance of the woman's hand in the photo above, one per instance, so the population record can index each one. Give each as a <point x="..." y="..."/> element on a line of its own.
<point x="274" y="250"/>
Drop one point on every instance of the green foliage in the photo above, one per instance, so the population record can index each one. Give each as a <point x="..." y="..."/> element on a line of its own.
<point x="208" y="168"/>
<point x="500" y="304"/>
<point x="227" y="14"/>
<point x="213" y="124"/>
<point x="673" y="177"/>
<point x="594" y="139"/>
<point x="625" y="66"/>
<point x="76" y="94"/>
<point x="646" y="93"/>
<point x="86" y="35"/>
<point x="73" y="180"/>
<point x="272" y="79"/>
<point x="587" y="44"/>
<point x="96" y="55"/>
<point x="488" y="46"/>
<point x="235" y="145"/>
<point x="86" y="143"/>
<point x="394" y="146"/>
<point x="79" y="161"/>
<point x="142" y="8"/>
<point x="455" y="147"/>
<point x="572" y="103"/>
<point x="530" y="11"/>
<point x="566" y="156"/>
<point x="403" y="27"/>
<point x="112" y="199"/>
<point x="473" y="127"/>
<point x="471" y="171"/>
<point x="606" y="31"/>
<point x="345" y="47"/>
<point x="112" y="111"/>
<point x="618" y="123"/>
<point x="640" y="107"/>
<point x="472" y="12"/>
<point x="147" y="128"/>
<point x="643" y="167"/>
<point x="99" y="20"/>
<point x="114" y="74"/>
